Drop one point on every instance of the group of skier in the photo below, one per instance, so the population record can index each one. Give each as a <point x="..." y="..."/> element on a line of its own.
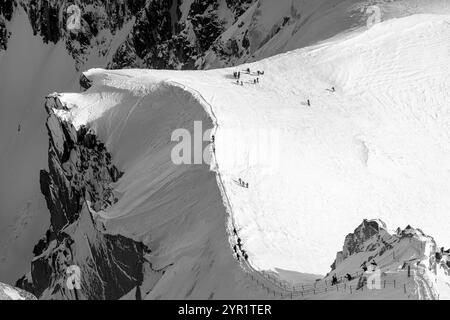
<point x="238" y="248"/>
<point x="335" y="281"/>
<point x="243" y="184"/>
<point x="237" y="76"/>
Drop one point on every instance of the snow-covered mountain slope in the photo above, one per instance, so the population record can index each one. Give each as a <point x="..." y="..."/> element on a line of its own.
<point x="378" y="146"/>
<point x="39" y="55"/>
<point x="9" y="293"/>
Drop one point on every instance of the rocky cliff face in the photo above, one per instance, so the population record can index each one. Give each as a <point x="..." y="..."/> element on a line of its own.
<point x="76" y="187"/>
<point x="11" y="293"/>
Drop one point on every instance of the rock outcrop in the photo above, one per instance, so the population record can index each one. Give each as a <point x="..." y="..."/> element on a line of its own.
<point x="358" y="240"/>
<point x="77" y="185"/>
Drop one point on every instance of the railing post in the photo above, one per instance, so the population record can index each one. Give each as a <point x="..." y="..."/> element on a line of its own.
<point x="404" y="287"/>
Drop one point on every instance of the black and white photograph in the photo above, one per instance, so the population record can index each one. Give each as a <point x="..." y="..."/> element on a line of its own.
<point x="247" y="152"/>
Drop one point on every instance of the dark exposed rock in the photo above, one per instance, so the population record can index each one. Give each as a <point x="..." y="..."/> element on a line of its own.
<point x="6" y="13"/>
<point x="9" y="293"/>
<point x="358" y="240"/>
<point x="85" y="83"/>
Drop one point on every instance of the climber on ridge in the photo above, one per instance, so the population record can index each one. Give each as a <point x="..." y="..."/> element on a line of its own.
<point x="364" y="266"/>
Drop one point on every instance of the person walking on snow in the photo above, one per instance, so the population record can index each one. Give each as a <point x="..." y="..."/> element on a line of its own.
<point x="309" y="103"/>
<point x="334" y="280"/>
<point x="364" y="266"/>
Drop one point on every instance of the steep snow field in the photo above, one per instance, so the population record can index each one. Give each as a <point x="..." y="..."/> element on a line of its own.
<point x="377" y="147"/>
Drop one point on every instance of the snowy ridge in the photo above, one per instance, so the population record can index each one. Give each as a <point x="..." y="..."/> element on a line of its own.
<point x="368" y="149"/>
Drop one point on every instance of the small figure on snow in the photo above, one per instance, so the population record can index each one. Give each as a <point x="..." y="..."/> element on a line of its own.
<point x="334" y="280"/>
<point x="364" y="266"/>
